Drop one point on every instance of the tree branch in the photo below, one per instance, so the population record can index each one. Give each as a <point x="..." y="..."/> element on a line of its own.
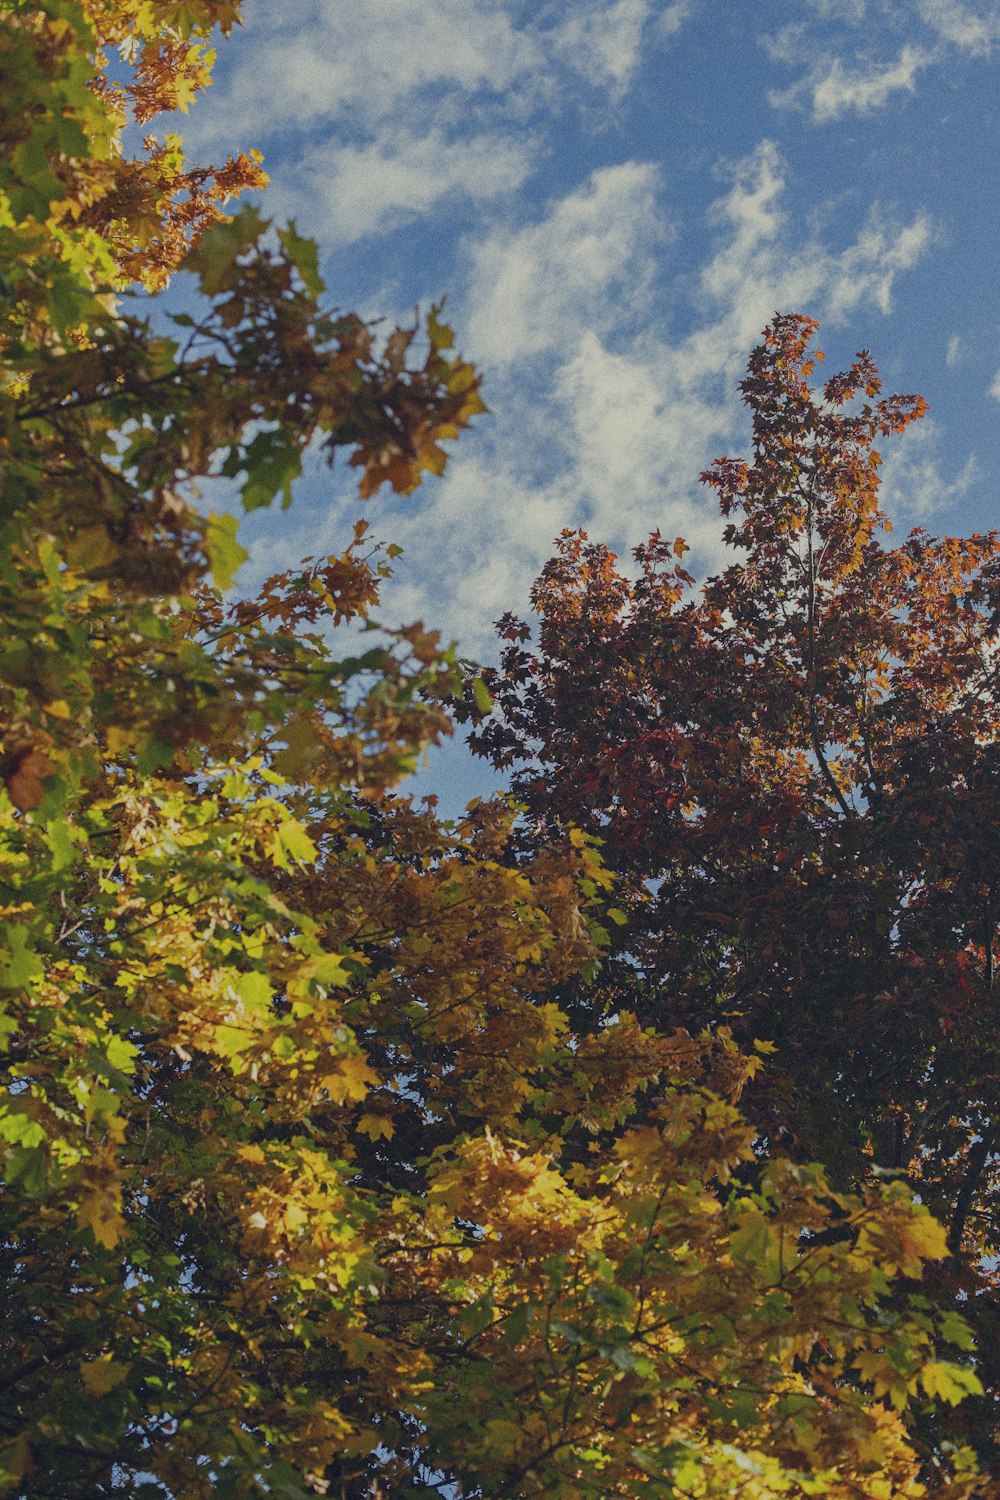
<point x="978" y="1157"/>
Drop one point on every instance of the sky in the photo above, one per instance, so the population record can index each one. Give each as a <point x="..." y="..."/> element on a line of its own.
<point x="616" y="196"/>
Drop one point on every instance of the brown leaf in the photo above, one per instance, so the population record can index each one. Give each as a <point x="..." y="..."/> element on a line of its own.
<point x="25" y="782"/>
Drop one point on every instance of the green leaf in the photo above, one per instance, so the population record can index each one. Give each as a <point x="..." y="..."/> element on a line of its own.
<point x="291" y="842"/>
<point x="102" y="1375"/>
<point x="271" y="463"/>
<point x="231" y="1040"/>
<point x="121" y="1054"/>
<point x="62" y="839"/>
<point x="481" y="693"/>
<point x="8" y="1025"/>
<point x="225" y="555"/>
<point x="440" y="335"/>
<point x="26" y="1167"/>
<point x="371" y="661"/>
<point x="20" y="1130"/>
<point x="23" y="963"/>
<point x="567" y="1331"/>
<point x="956" y="1330"/>
<point x="754" y="1241"/>
<point x="501" y="1438"/>
<point x="254" y="989"/>
<point x="214" y="257"/>
<point x="743" y="1405"/>
<point x="154" y="754"/>
<point x="612" y="1299"/>
<point x="302" y="253"/>
<point x="328" y="968"/>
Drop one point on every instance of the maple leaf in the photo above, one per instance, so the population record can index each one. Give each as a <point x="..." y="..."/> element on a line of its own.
<point x="100" y="1212"/>
<point x="948" y="1382"/>
<point x="376" y="1127"/>
<point x="102" y="1375"/>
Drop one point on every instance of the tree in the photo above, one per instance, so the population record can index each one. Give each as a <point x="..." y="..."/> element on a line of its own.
<point x="310" y="1185"/>
<point x="794" y="772"/>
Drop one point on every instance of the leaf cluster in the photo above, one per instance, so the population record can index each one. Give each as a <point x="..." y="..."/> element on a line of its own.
<point x="336" y="1160"/>
<point x="794" y="772"/>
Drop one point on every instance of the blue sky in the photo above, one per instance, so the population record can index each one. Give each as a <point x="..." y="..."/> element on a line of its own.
<point x="616" y="195"/>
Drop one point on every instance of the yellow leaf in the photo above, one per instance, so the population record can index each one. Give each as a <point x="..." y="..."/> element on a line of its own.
<point x="99" y="1212"/>
<point x="91" y="547"/>
<point x="351" y="1081"/>
<point x="376" y="1127"/>
<point x="291" y="842"/>
<point x="102" y="1375"/>
<point x="118" y="739"/>
<point x="885" y="1378"/>
<point x="15" y="1460"/>
<point x="947" y="1382"/>
<point x="922" y="1238"/>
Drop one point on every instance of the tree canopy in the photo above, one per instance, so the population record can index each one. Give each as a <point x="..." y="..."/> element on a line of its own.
<point x="341" y="1154"/>
<point x="793" y="770"/>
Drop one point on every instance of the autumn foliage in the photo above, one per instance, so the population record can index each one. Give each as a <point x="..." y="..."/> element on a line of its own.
<point x="348" y="1151"/>
<point x="793" y="772"/>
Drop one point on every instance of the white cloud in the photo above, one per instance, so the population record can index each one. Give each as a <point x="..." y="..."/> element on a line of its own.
<point x="297" y="66"/>
<point x="995" y="387"/>
<point x="600" y="420"/>
<point x="833" y="88"/>
<point x="415" y="61"/>
<point x="837" y="76"/>
<point x="753" y="211"/>
<point x="848" y="10"/>
<point x="602" y="41"/>
<point x="343" y="195"/>
<point x="913" y="487"/>
<point x="585" y="264"/>
<point x="760" y="268"/>
<point x="601" y="417"/>
<point x="867" y="271"/>
<point x="851" y="11"/>
<point x="866" y="89"/>
<point x="400" y="103"/>
<point x="970" y="28"/>
<point x="640" y="426"/>
<point x="954" y="353"/>
<point x="673" y="17"/>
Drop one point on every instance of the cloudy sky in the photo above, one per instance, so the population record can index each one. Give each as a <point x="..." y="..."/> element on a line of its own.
<point x="616" y="195"/>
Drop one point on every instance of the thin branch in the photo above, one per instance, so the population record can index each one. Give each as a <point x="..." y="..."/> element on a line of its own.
<point x="978" y="1157"/>
<point x="817" y="746"/>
